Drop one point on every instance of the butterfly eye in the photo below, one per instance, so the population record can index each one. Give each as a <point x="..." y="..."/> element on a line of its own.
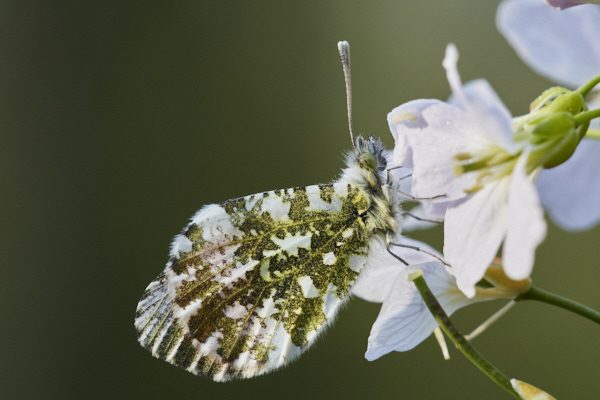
<point x="368" y="161"/>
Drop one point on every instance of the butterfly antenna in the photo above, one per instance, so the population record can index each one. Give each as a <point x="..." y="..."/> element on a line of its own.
<point x="344" y="49"/>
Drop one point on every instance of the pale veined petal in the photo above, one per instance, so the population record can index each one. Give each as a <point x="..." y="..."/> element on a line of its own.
<point x="402" y="178"/>
<point x="473" y="232"/>
<point x="435" y="210"/>
<point x="376" y="280"/>
<point x="560" y="45"/>
<point x="489" y="115"/>
<point x="404" y="320"/>
<point x="526" y="227"/>
<point x="446" y="132"/>
<point x="450" y="64"/>
<point x="400" y="120"/>
<point x="420" y="218"/>
<point x="571" y="192"/>
<point x="488" y="112"/>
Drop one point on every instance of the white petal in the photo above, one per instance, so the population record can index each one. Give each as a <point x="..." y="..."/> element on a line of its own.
<point x="434" y="134"/>
<point x="526" y="227"/>
<point x="473" y="232"/>
<point x="377" y="278"/>
<point x="450" y="65"/>
<point x="436" y="210"/>
<point x="404" y="320"/>
<point x="402" y="118"/>
<point x="489" y="113"/>
<point x="447" y="131"/>
<point x="571" y="192"/>
<point x="402" y="177"/>
<point x="560" y="45"/>
<point x="430" y="133"/>
<point x="410" y="223"/>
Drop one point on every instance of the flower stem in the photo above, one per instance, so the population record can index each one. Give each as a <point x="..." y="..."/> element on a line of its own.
<point x="588" y="86"/>
<point x="586" y="116"/>
<point x="458" y="339"/>
<point x="546" y="297"/>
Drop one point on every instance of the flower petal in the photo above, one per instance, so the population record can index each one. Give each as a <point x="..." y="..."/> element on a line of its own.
<point x="560" y="45"/>
<point x="377" y="278"/>
<point x="402" y="177"/>
<point x="435" y="210"/>
<point x="450" y="64"/>
<point x="404" y="320"/>
<point x="410" y="223"/>
<point x="402" y="118"/>
<point x="526" y="227"/>
<point x="571" y="192"/>
<point x="489" y="113"/>
<point x="429" y="134"/>
<point x="473" y="232"/>
<point x="434" y="134"/>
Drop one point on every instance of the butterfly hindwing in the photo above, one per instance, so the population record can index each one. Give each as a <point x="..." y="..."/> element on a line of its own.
<point x="252" y="281"/>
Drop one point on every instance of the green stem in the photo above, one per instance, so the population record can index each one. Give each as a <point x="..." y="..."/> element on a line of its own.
<point x="586" y="116"/>
<point x="458" y="339"/>
<point x="546" y="297"/>
<point x="588" y="86"/>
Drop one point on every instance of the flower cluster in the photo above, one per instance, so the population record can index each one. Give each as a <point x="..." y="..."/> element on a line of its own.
<point x="489" y="176"/>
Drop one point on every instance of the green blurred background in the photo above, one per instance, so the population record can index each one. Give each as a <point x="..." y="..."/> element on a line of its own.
<point x="120" y="119"/>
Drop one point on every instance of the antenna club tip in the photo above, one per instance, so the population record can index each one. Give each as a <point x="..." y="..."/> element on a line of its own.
<point x="343" y="45"/>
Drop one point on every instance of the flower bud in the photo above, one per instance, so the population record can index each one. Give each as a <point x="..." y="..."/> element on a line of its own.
<point x="557" y="99"/>
<point x="550" y="127"/>
<point x="554" y="139"/>
<point x="529" y="392"/>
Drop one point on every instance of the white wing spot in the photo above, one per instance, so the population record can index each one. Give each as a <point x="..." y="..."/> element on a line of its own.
<point x="264" y="271"/>
<point x="236" y="311"/>
<point x="356" y="263"/>
<point x="308" y="289"/>
<point x="329" y="258"/>
<point x="290" y="244"/>
<point x="330" y="301"/>
<point x="181" y="244"/>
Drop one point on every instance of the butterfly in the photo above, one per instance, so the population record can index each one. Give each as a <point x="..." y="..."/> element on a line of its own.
<point x="252" y="281"/>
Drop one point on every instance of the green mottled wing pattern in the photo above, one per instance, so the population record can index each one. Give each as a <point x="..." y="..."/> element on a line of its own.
<point x="252" y="281"/>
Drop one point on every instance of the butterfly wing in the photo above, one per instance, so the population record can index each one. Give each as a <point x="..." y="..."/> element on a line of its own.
<point x="251" y="281"/>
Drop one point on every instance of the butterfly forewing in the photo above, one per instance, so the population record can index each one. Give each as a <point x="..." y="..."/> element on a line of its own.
<point x="251" y="281"/>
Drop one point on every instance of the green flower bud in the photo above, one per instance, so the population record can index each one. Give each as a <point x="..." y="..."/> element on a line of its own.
<point x="550" y="128"/>
<point x="557" y="99"/>
<point x="554" y="138"/>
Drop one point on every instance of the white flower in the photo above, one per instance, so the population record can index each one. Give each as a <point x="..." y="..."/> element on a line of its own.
<point x="493" y="199"/>
<point x="564" y="47"/>
<point x="404" y="320"/>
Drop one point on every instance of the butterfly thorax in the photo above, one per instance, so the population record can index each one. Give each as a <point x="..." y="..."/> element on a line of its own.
<point x="367" y="170"/>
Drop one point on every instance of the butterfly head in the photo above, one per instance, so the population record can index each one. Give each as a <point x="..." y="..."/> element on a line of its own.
<point x="369" y="157"/>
